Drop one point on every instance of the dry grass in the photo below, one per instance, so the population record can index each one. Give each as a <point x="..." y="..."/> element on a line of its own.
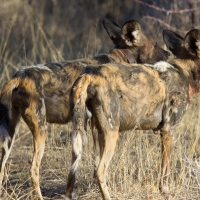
<point x="133" y="173"/>
<point x="32" y="33"/>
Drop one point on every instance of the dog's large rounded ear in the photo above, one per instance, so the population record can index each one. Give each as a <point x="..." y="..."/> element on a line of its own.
<point x="112" y="28"/>
<point x="173" y="41"/>
<point x="192" y="42"/>
<point x="132" y="33"/>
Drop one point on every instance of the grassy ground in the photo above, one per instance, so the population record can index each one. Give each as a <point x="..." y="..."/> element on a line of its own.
<point x="133" y="173"/>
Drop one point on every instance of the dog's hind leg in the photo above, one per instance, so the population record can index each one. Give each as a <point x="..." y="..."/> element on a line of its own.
<point x="8" y="130"/>
<point x="167" y="140"/>
<point x="35" y="117"/>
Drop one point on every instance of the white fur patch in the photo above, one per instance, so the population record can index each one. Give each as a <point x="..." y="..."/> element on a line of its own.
<point x="89" y="114"/>
<point x="135" y="34"/>
<point x="39" y="66"/>
<point x="84" y="64"/>
<point x="160" y="66"/>
<point x="198" y="44"/>
<point x="109" y="120"/>
<point x="77" y="148"/>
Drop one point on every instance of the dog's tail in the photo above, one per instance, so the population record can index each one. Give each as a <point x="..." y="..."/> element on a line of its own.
<point x="79" y="112"/>
<point x="79" y="105"/>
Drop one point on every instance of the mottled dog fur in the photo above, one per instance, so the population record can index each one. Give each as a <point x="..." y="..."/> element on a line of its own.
<point x="123" y="97"/>
<point x="40" y="93"/>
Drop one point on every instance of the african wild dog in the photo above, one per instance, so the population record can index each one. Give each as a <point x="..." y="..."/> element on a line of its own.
<point x="133" y="96"/>
<point x="40" y="93"/>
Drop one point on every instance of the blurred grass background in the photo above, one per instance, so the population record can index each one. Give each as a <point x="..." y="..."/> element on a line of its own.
<point x="33" y="32"/>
